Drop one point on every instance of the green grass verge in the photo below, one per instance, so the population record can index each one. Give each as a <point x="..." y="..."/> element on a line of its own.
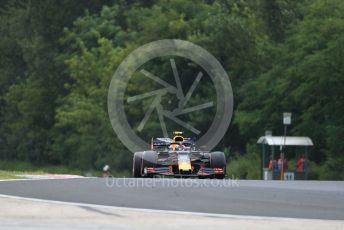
<point x="9" y="175"/>
<point x="9" y="170"/>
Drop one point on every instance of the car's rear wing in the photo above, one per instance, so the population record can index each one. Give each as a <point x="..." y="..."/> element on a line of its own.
<point x="161" y="143"/>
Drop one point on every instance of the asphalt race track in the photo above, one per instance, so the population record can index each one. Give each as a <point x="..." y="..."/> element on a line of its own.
<point x="295" y="199"/>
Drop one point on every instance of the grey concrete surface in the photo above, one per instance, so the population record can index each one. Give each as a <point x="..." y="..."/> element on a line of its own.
<point x="26" y="214"/>
<point x="295" y="199"/>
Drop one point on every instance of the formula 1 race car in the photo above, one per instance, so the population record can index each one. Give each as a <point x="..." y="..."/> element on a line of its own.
<point x="178" y="157"/>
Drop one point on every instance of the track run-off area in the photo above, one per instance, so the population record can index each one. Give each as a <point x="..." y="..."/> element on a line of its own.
<point x="288" y="199"/>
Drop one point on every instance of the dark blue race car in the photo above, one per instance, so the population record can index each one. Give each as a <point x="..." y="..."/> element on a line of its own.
<point x="178" y="157"/>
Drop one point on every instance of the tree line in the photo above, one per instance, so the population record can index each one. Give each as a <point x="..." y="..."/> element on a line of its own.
<point x="57" y="59"/>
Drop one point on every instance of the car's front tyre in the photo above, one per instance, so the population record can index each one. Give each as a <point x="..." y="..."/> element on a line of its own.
<point x="149" y="159"/>
<point x="218" y="160"/>
<point x="137" y="164"/>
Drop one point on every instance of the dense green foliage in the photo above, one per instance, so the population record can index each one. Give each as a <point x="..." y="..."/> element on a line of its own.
<point x="57" y="59"/>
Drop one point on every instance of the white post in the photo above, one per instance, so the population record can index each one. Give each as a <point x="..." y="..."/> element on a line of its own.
<point x="286" y="121"/>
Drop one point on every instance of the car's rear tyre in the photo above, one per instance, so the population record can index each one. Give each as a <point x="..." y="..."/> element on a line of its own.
<point x="137" y="164"/>
<point x="149" y="159"/>
<point x="218" y="160"/>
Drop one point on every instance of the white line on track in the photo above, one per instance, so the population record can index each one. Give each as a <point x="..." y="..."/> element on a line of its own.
<point x="15" y="180"/>
<point x="34" y="179"/>
<point x="158" y="211"/>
